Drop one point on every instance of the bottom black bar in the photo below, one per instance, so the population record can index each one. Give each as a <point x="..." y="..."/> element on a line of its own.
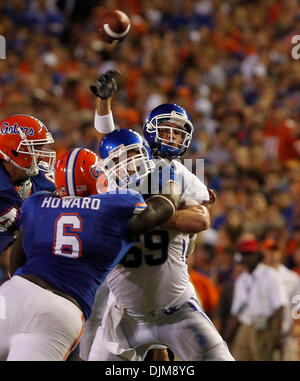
<point x="150" y="370"/>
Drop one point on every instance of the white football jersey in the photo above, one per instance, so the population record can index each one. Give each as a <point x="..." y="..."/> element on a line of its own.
<point x="154" y="275"/>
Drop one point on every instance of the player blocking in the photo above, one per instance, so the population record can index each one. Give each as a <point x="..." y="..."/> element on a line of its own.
<point x="64" y="253"/>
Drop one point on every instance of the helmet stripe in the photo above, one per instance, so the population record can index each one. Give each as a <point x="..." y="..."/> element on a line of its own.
<point x="70" y="172"/>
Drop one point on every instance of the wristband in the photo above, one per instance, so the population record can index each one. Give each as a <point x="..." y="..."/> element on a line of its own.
<point x="104" y="123"/>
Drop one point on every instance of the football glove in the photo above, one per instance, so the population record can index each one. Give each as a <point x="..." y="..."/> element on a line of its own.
<point x="106" y="84"/>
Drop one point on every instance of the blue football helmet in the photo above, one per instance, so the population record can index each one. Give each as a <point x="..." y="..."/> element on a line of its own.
<point x="126" y="158"/>
<point x="168" y="130"/>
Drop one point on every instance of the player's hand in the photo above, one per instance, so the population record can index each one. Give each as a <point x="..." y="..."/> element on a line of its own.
<point x="212" y="199"/>
<point x="106" y="84"/>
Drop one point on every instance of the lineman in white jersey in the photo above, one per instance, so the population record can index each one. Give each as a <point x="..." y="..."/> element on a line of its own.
<point x="152" y="300"/>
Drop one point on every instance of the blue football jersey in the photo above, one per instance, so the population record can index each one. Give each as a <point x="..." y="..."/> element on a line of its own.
<point x="11" y="201"/>
<point x="73" y="242"/>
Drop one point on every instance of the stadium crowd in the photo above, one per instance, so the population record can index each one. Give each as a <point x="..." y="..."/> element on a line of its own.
<point x="228" y="63"/>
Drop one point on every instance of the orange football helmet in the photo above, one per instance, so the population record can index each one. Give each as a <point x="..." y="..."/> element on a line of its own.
<point x="77" y="172"/>
<point x="22" y="138"/>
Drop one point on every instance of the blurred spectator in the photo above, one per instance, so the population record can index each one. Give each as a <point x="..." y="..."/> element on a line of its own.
<point x="223" y="310"/>
<point x="296" y="260"/>
<point x="206" y="290"/>
<point x="291" y="249"/>
<point x="257" y="308"/>
<point x="291" y="283"/>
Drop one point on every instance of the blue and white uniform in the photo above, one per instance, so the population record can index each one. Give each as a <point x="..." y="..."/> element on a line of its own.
<point x="71" y="243"/>
<point x="155" y="262"/>
<point x="152" y="300"/>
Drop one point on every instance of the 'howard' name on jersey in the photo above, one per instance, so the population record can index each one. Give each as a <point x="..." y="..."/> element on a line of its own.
<point x="71" y="202"/>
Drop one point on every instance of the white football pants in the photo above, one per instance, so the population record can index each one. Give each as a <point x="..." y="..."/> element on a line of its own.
<point x="185" y="329"/>
<point x="36" y="324"/>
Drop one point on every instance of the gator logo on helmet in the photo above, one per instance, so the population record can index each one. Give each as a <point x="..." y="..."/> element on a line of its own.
<point x="95" y="172"/>
<point x="7" y="129"/>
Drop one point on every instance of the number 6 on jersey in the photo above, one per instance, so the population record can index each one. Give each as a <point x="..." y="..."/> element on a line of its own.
<point x="67" y="244"/>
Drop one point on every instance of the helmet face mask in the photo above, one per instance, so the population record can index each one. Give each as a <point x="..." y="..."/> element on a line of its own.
<point x="42" y="159"/>
<point x="126" y="159"/>
<point x="174" y="120"/>
<point x="22" y="138"/>
<point x="125" y="165"/>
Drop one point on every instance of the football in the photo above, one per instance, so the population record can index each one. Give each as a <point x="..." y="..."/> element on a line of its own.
<point x="113" y="26"/>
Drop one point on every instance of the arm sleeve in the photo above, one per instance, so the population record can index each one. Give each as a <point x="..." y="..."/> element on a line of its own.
<point x="159" y="210"/>
<point x="104" y="123"/>
<point x="139" y="207"/>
